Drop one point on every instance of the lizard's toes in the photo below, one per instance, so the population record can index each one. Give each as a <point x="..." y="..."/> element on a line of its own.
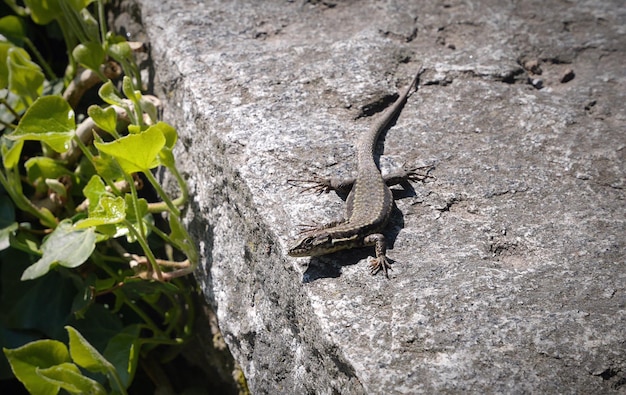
<point x="378" y="264"/>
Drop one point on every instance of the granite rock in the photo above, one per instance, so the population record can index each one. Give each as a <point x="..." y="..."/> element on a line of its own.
<point x="510" y="269"/>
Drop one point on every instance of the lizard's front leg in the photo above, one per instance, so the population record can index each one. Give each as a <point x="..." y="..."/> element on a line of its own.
<point x="324" y="185"/>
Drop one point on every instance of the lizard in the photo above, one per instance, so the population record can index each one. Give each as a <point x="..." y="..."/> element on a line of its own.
<point x="369" y="202"/>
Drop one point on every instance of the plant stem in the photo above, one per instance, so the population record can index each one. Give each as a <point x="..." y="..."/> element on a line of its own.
<point x="11" y="110"/>
<point x="146" y="248"/>
<point x="13" y="186"/>
<point x="175" y="211"/>
<point x="102" y="21"/>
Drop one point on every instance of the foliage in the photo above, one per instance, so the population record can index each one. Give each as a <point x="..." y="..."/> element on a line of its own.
<point x="46" y="366"/>
<point x="83" y="245"/>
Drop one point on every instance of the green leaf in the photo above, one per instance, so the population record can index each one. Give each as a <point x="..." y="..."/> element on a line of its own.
<point x="181" y="239"/>
<point x="69" y="377"/>
<point x="129" y="89"/>
<point x="123" y="352"/>
<point x="99" y="325"/>
<point x="137" y="289"/>
<point x="93" y="190"/>
<point x="50" y="119"/>
<point x="90" y="54"/>
<point x="12" y="28"/>
<point x="65" y="246"/>
<point x="78" y="5"/>
<point x="53" y="291"/>
<point x="169" y="132"/>
<point x="106" y="119"/>
<point x="4" y="67"/>
<point x="166" y="158"/>
<point x="40" y="168"/>
<point x="85" y="297"/>
<point x="85" y="355"/>
<point x="109" y="95"/>
<point x="38" y="354"/>
<point x="57" y="187"/>
<point x="110" y="210"/>
<point x="43" y="173"/>
<point x="89" y="23"/>
<point x="136" y="129"/>
<point x="119" y="50"/>
<point x="107" y="167"/>
<point x="5" y="235"/>
<point x="25" y="77"/>
<point x="43" y="12"/>
<point x="149" y="108"/>
<point x="102" y="284"/>
<point x="11" y="151"/>
<point x="17" y="9"/>
<point x="136" y="152"/>
<point x="142" y="208"/>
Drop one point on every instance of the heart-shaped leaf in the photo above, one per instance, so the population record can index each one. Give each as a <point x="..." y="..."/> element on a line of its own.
<point x="50" y="119"/>
<point x="65" y="246"/>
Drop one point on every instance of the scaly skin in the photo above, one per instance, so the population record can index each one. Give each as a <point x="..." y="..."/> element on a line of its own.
<point x="369" y="203"/>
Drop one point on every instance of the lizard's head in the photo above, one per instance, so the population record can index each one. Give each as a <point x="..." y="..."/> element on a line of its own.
<point x="312" y="245"/>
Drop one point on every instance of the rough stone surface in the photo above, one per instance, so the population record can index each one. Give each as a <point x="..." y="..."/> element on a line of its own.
<point x="509" y="272"/>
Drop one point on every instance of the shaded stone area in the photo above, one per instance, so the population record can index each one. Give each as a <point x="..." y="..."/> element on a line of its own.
<point x="509" y="271"/>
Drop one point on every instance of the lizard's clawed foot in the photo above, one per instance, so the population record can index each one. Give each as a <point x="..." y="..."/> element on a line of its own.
<point x="316" y="184"/>
<point x="380" y="264"/>
<point x="418" y="174"/>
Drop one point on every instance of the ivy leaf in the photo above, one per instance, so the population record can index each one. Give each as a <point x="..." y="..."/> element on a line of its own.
<point x="136" y="152"/>
<point x="4" y="68"/>
<point x="85" y="355"/>
<point x="69" y="377"/>
<point x="42" y="170"/>
<point x="166" y="157"/>
<point x="106" y="119"/>
<point x="5" y="235"/>
<point x="57" y="187"/>
<point x="11" y="151"/>
<point x="65" y="246"/>
<point x="25" y="77"/>
<point x="107" y="167"/>
<point x="149" y="108"/>
<point x="50" y="119"/>
<point x="40" y="354"/>
<point x="134" y="218"/>
<point x="78" y="5"/>
<point x="169" y="132"/>
<point x="12" y="28"/>
<point x="43" y="12"/>
<point x="90" y="54"/>
<point x="42" y="167"/>
<point x="93" y="190"/>
<point x="128" y="89"/>
<point x="109" y="210"/>
<point x="142" y="209"/>
<point x="123" y="352"/>
<point x="119" y="50"/>
<point x="89" y="23"/>
<point x="109" y="95"/>
<point x="181" y="239"/>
